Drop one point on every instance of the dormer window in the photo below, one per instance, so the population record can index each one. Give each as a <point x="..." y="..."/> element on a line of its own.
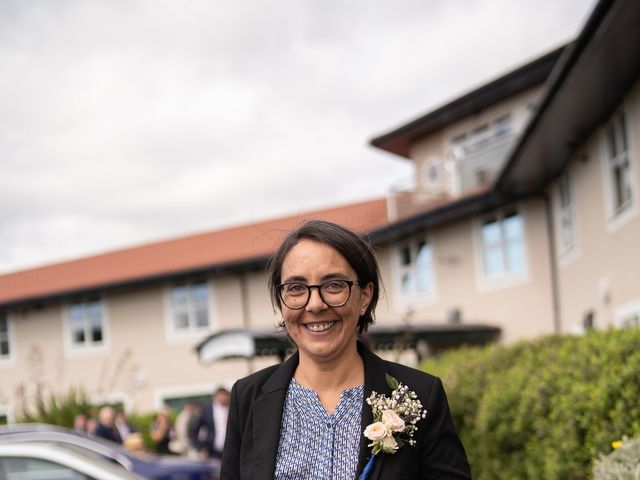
<point x="480" y="137"/>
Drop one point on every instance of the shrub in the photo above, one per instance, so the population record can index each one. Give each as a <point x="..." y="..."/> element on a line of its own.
<point x="57" y="409"/>
<point x="544" y="408"/>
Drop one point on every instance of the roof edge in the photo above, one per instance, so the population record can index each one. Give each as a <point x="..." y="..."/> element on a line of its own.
<point x="555" y="82"/>
<point x="515" y="81"/>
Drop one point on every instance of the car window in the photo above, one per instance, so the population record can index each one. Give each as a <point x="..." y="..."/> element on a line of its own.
<point x="24" y="468"/>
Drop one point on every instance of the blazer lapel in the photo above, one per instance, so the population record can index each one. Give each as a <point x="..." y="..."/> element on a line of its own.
<point x="267" y="418"/>
<point x="374" y="381"/>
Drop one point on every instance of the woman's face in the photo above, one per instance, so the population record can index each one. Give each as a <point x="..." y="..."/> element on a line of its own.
<point x="322" y="333"/>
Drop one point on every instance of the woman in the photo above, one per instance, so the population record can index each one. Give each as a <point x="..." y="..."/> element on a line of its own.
<point x="305" y="418"/>
<point x="161" y="431"/>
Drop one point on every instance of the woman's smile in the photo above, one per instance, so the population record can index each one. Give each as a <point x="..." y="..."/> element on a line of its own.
<point x="320" y="327"/>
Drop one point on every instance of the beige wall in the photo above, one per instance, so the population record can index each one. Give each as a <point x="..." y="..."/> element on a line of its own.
<point x="604" y="273"/>
<point x="521" y="307"/>
<point x="141" y="362"/>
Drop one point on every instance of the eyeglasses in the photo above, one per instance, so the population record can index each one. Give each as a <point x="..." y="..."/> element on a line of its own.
<point x="334" y="293"/>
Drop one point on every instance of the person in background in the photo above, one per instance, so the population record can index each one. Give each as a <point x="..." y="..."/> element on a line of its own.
<point x="135" y="443"/>
<point x="80" y="424"/>
<point x="92" y="426"/>
<point x="105" y="427"/>
<point x="162" y="431"/>
<point x="181" y="443"/>
<point x="207" y="432"/>
<point x="122" y="425"/>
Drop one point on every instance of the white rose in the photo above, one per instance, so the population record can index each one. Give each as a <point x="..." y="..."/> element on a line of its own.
<point x="393" y="421"/>
<point x="389" y="445"/>
<point x="376" y="431"/>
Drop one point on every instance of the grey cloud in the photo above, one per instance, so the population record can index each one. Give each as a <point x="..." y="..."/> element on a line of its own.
<point x="130" y="121"/>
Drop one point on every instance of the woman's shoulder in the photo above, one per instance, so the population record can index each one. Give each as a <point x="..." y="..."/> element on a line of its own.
<point x="275" y="377"/>
<point x="255" y="380"/>
<point x="404" y="371"/>
<point x="417" y="380"/>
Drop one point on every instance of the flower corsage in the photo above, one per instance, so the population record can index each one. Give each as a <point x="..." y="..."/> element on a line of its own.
<point x="394" y="421"/>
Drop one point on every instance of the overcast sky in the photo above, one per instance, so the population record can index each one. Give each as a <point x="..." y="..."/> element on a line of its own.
<point x="125" y="121"/>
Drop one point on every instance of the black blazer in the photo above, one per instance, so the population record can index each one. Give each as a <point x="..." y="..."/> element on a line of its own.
<point x="202" y="431"/>
<point x="255" y="414"/>
<point x="110" y="433"/>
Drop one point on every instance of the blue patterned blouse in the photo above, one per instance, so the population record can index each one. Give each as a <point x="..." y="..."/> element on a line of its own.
<point x="315" y="445"/>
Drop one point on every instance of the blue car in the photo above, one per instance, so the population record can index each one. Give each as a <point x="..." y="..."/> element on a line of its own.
<point x="149" y="466"/>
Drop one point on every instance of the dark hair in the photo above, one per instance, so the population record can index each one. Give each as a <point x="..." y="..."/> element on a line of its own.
<point x="355" y="251"/>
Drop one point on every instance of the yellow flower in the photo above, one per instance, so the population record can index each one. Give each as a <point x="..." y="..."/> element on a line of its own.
<point x="616" y="444"/>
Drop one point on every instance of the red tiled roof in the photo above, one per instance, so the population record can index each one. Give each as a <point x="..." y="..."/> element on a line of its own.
<point x="207" y="250"/>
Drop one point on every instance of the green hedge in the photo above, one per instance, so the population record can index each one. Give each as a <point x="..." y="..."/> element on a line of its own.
<point x="545" y="408"/>
<point x="61" y="409"/>
<point x="57" y="409"/>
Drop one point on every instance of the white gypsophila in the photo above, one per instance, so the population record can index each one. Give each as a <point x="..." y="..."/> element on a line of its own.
<point x="400" y="412"/>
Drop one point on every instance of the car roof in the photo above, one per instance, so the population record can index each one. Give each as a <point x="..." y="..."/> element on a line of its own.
<point x="146" y="464"/>
<point x="51" y="433"/>
<point x="68" y="457"/>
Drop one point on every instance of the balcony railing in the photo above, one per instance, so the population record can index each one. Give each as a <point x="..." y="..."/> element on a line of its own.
<point x="481" y="167"/>
<point x="450" y="178"/>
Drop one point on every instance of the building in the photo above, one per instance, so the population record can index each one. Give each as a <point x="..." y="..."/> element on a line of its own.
<point x="522" y="219"/>
<point x="550" y="225"/>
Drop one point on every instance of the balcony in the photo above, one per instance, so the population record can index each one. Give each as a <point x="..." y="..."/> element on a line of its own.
<point x="481" y="167"/>
<point x="451" y="178"/>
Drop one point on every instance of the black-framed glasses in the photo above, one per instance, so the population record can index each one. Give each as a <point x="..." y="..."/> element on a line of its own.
<point x="334" y="293"/>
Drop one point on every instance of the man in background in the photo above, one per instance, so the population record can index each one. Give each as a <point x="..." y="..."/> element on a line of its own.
<point x="207" y="430"/>
<point x="106" y="425"/>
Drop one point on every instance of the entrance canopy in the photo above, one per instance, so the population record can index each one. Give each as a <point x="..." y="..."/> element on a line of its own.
<point x="241" y="343"/>
<point x="424" y="339"/>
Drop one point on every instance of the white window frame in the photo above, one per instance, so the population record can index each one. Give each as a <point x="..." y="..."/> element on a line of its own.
<point x="481" y="135"/>
<point x="7" y="412"/>
<point x="177" y="336"/>
<point x="7" y="360"/>
<point x="88" y="349"/>
<point x="566" y="220"/>
<point x="415" y="299"/>
<point x="506" y="279"/>
<point x="616" y="217"/>
<point x="625" y="312"/>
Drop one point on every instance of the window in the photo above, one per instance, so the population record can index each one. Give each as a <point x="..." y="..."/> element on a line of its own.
<point x="416" y="270"/>
<point x="565" y="216"/>
<point x="502" y="126"/>
<point x="5" y="416"/>
<point x="86" y="324"/>
<point x="190" y="307"/>
<point x="5" y="341"/>
<point x="177" y="403"/>
<point x="618" y="168"/>
<point x="503" y="248"/>
<point x="481" y="137"/>
<point x="630" y="321"/>
<point x="628" y="315"/>
<point x="37" y="469"/>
